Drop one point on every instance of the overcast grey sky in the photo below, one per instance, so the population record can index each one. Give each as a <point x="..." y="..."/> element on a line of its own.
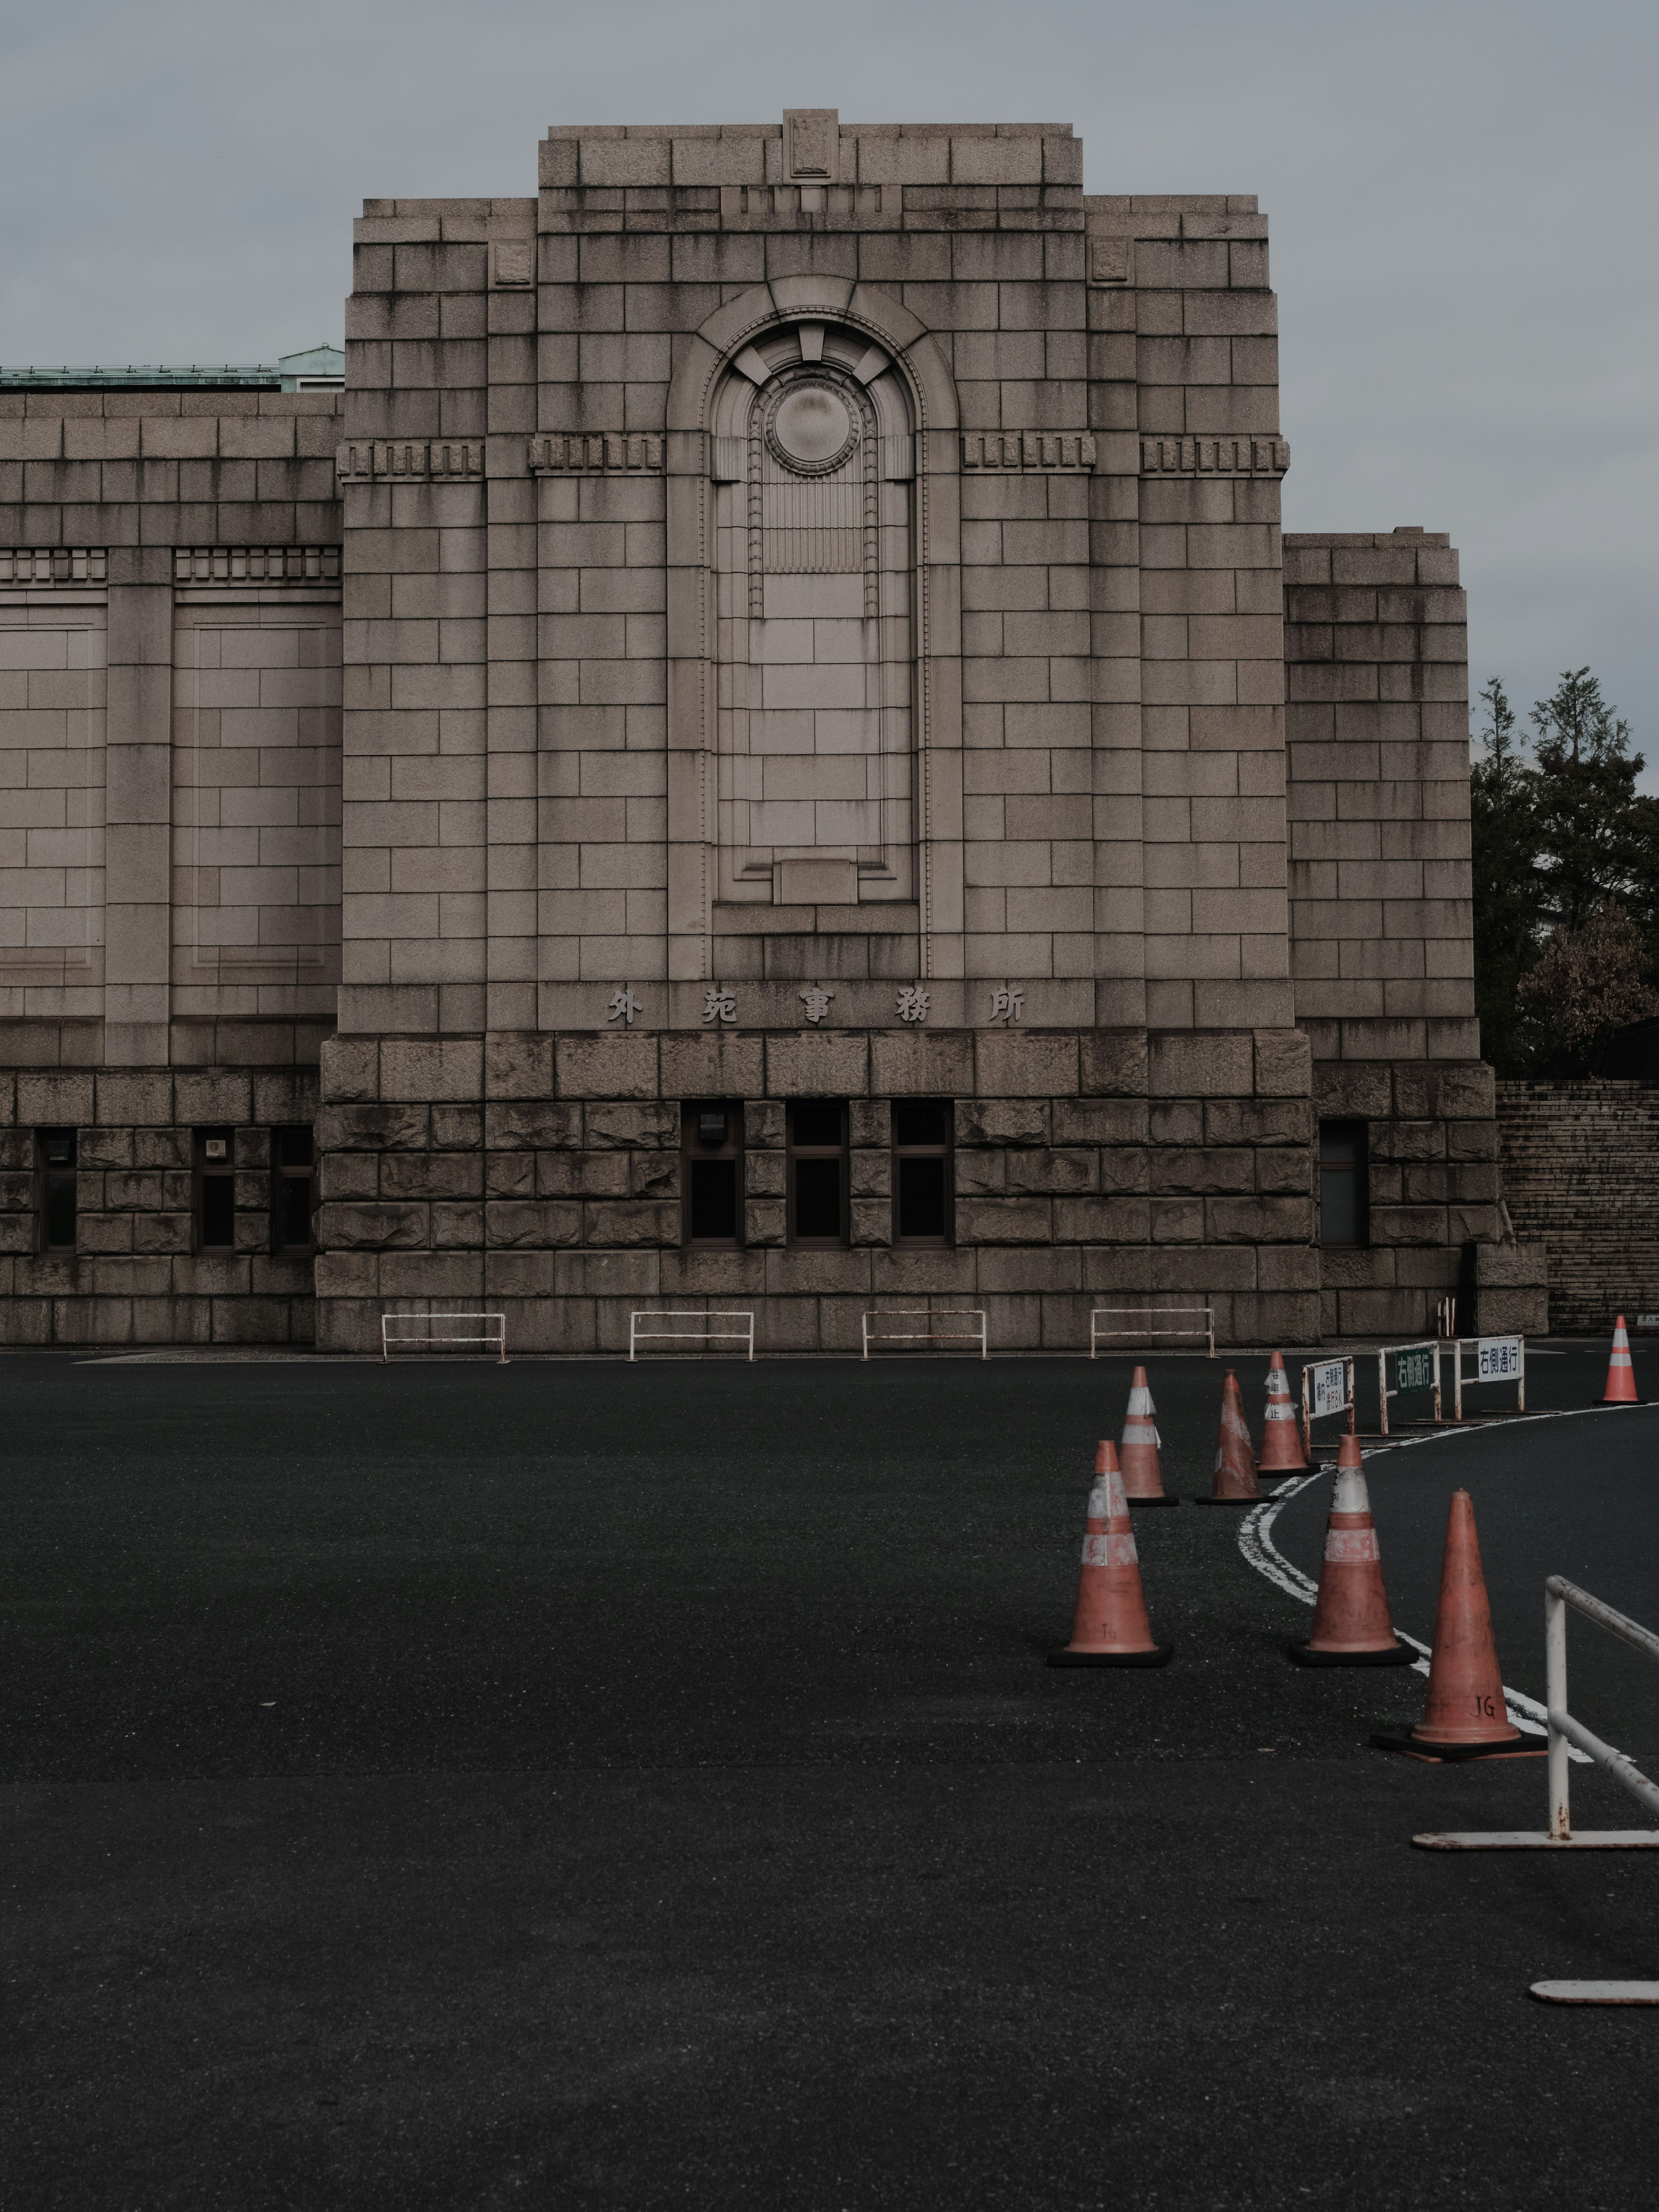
<point x="1462" y="196"/>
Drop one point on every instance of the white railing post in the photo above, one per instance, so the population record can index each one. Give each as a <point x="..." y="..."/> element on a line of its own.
<point x="1383" y="1389"/>
<point x="1437" y="1383"/>
<point x="1555" y="1699"/>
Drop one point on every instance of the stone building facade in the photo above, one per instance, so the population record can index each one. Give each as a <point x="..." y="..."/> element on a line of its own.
<point x="767" y="749"/>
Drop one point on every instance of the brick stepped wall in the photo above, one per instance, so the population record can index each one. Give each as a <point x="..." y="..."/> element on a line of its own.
<point x="1581" y="1174"/>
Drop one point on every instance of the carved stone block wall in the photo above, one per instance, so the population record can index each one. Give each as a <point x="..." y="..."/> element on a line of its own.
<point x="541" y="1175"/>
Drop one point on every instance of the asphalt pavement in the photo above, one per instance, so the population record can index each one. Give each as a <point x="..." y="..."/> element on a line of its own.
<point x="586" y="1786"/>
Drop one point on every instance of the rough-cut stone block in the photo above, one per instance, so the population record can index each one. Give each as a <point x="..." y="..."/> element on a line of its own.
<point x="920" y="1063"/>
<point x="606" y="1066"/>
<point x="372" y="1128"/>
<point x="712" y="1066"/>
<point x="546" y="1124"/>
<point x="1003" y="1121"/>
<point x="351" y="1070"/>
<point x="1116" y="1063"/>
<point x="1025" y="1064"/>
<point x="1204" y="1064"/>
<point x="835" y="1065"/>
<point x="612" y="1125"/>
<point x="1283" y="1064"/>
<point x="431" y="1068"/>
<point x="517" y="1066"/>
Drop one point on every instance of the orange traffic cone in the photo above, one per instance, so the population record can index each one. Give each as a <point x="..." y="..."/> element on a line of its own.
<point x="1281" y="1432"/>
<point x="1464" y="1715"/>
<point x="1621" y="1375"/>
<point x="1350" y="1623"/>
<point x="1234" y="1480"/>
<point x="1143" y="1477"/>
<point x="1111" y="1627"/>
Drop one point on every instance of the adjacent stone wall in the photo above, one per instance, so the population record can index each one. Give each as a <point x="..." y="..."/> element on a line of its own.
<point x="133" y="1277"/>
<point x="1581" y="1177"/>
<point x="543" y="1175"/>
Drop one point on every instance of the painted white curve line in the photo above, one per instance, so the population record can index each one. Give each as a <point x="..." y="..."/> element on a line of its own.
<point x="1256" y="1544"/>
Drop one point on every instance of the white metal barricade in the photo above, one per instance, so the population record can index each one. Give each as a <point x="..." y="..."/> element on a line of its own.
<point x="927" y="1335"/>
<point x="1098" y="1335"/>
<point x="636" y="1334"/>
<point x="1564" y="1731"/>
<point x="1418" y="1368"/>
<point x="420" y="1332"/>
<point x="1326" y="1387"/>
<point x="1498" y="1359"/>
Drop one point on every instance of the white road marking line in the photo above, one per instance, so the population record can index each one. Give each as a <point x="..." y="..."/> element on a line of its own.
<point x="1255" y="1542"/>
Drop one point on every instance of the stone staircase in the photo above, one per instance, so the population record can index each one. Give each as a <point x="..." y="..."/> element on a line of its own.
<point x="1581" y="1174"/>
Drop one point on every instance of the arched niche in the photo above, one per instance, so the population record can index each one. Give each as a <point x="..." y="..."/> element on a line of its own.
<point x="814" y="711"/>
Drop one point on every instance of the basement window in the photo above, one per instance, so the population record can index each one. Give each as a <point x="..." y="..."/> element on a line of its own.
<point x="1344" y="1216"/>
<point x="922" y="1171"/>
<point x="215" y="1190"/>
<point x="55" y="1198"/>
<point x="817" y="1173"/>
<point x="291" y="1156"/>
<point x="711" y="1157"/>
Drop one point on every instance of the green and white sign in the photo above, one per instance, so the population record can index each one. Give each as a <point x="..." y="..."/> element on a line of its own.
<point x="1414" y="1368"/>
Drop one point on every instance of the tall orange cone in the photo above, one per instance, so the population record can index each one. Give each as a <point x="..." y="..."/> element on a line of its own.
<point x="1464" y="1715"/>
<point x="1235" y="1482"/>
<point x="1350" y="1623"/>
<point x="1111" y="1627"/>
<point x="1143" y="1476"/>
<point x="1281" y="1432"/>
<point x="1621" y="1375"/>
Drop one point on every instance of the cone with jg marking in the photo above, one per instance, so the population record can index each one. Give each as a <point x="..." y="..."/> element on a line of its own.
<point x="1111" y="1627"/>
<point x="1281" y="1432"/>
<point x="1235" y="1482"/>
<point x="1350" y="1623"/>
<point x="1143" y="1476"/>
<point x="1621" y="1375"/>
<point x="1464" y="1715"/>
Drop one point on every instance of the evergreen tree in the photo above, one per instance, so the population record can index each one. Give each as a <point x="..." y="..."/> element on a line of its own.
<point x="1504" y="848"/>
<point x="1598" y="838"/>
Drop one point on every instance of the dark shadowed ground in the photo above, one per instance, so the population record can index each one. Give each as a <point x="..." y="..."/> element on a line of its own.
<point x="582" y="1786"/>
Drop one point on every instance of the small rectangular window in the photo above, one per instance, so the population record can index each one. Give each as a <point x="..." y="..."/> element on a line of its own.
<point x="817" y="1173"/>
<point x="290" y="1189"/>
<point x="54" y="1153"/>
<point x="711" y="1149"/>
<point x="1343" y="1214"/>
<point x="922" y="1171"/>
<point x="215" y="1190"/>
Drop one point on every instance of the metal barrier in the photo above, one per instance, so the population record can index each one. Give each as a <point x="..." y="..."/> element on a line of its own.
<point x="637" y="1335"/>
<point x="927" y="1335"/>
<point x="1564" y="1731"/>
<point x="1422" y="1373"/>
<point x="1498" y="1359"/>
<point x="1098" y="1335"/>
<point x="1332" y="1392"/>
<point x="497" y="1336"/>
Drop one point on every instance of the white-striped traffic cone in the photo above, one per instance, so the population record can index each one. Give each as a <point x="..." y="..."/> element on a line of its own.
<point x="1143" y="1473"/>
<point x="1621" y="1375"/>
<point x="1109" y="1628"/>
<point x="1281" y="1432"/>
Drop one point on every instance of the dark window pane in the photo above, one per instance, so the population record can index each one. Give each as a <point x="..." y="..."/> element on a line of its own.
<point x="920" y="1198"/>
<point x="58" y="1145"/>
<point x="293" y="1221"/>
<point x="218" y="1209"/>
<point x="919" y="1124"/>
<point x="818" y="1196"/>
<point x="714" y="1125"/>
<point x="60" y="1213"/>
<point x="293" y="1148"/>
<point x="817" y="1125"/>
<point x="714" y="1199"/>
<point x="1339" y="1143"/>
<point x="1338" y="1205"/>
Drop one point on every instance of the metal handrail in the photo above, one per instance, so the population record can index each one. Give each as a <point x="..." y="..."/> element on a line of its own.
<point x="979" y="1336"/>
<point x="496" y="1337"/>
<point x="1558" y="1595"/>
<point x="1158" y="1313"/>
<point x="636" y="1334"/>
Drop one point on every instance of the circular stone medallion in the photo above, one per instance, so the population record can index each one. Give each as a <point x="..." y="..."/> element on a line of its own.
<point x="812" y="430"/>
